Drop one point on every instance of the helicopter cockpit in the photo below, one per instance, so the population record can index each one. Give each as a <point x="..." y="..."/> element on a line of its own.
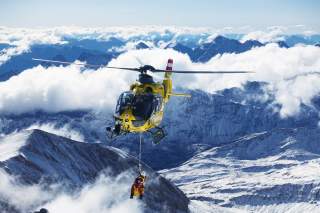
<point x="142" y="105"/>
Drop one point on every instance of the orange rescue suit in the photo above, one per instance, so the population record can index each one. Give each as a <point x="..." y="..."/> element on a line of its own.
<point x="137" y="188"/>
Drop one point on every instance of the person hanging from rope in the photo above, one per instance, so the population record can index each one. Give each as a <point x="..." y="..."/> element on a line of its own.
<point x="137" y="188"/>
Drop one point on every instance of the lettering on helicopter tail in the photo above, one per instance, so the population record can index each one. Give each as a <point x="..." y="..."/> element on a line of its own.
<point x="169" y="64"/>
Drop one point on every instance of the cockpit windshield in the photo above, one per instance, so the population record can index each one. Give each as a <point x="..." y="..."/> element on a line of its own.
<point x="142" y="105"/>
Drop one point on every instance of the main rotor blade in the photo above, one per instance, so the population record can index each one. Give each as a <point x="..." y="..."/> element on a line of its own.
<point x="202" y="72"/>
<point x="84" y="64"/>
<point x="125" y="68"/>
<point x="65" y="62"/>
<point x="139" y="69"/>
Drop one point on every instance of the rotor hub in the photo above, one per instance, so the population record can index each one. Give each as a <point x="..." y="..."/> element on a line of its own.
<point x="145" y="78"/>
<point x="146" y="68"/>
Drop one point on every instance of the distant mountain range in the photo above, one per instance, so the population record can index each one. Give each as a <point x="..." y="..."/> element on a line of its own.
<point x="219" y="45"/>
<point x="100" y="52"/>
<point x="67" y="53"/>
<point x="4" y="46"/>
<point x="292" y="40"/>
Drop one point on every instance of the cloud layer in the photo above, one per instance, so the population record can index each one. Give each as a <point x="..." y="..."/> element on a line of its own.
<point x="57" y="89"/>
<point x="62" y="88"/>
<point x="105" y="195"/>
<point x="22" y="197"/>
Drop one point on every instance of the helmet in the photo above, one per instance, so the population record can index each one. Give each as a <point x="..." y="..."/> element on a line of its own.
<point x="43" y="210"/>
<point x="142" y="173"/>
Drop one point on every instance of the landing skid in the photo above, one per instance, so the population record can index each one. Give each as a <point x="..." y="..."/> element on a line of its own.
<point x="110" y="134"/>
<point x="157" y="134"/>
<point x="113" y="132"/>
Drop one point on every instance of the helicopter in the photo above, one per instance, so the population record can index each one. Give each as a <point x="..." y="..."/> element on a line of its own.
<point x="141" y="108"/>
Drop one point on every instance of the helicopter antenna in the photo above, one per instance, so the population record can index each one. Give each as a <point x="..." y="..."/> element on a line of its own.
<point x="139" y="61"/>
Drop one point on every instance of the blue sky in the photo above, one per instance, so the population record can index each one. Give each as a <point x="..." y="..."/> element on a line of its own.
<point x="194" y="13"/>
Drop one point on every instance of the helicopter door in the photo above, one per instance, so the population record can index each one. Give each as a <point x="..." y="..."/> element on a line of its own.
<point x="157" y="102"/>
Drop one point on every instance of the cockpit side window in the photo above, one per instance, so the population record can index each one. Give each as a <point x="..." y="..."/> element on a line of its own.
<point x="125" y="100"/>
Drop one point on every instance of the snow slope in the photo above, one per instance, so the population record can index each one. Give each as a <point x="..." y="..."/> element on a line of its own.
<point x="192" y="125"/>
<point x="270" y="171"/>
<point x="41" y="158"/>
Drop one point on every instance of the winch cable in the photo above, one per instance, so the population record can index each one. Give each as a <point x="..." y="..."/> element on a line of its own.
<point x="140" y="148"/>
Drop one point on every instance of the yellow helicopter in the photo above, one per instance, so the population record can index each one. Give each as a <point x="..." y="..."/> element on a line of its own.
<point x="141" y="108"/>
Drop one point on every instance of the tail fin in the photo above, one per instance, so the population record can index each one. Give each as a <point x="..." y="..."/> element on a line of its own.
<point x="167" y="82"/>
<point x="169" y="68"/>
<point x="169" y="64"/>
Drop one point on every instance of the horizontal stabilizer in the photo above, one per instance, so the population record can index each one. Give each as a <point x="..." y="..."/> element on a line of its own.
<point x="180" y="95"/>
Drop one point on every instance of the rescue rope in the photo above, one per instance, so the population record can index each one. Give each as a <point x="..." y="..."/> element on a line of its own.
<point x="140" y="145"/>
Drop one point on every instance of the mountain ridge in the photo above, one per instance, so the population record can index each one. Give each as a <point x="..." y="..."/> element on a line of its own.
<point x="47" y="159"/>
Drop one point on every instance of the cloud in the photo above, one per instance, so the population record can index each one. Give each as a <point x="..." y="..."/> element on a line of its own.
<point x="273" y="35"/>
<point x="106" y="195"/>
<point x="65" y="131"/>
<point x="10" y="145"/>
<point x="21" y="39"/>
<point x="62" y="88"/>
<point x="293" y="93"/>
<point x="6" y="54"/>
<point x="273" y="65"/>
<point x="57" y="89"/>
<point x="21" y="196"/>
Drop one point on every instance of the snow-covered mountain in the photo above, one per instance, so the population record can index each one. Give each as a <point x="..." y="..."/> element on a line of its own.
<point x="269" y="171"/>
<point x="36" y="157"/>
<point x="222" y="45"/>
<point x="253" y="147"/>
<point x="192" y="125"/>
<point x="292" y="40"/>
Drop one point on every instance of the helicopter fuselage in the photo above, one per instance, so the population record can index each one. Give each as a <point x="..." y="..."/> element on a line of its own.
<point x="141" y="108"/>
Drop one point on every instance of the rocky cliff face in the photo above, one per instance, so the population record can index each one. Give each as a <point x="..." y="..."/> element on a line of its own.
<point x="38" y="157"/>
